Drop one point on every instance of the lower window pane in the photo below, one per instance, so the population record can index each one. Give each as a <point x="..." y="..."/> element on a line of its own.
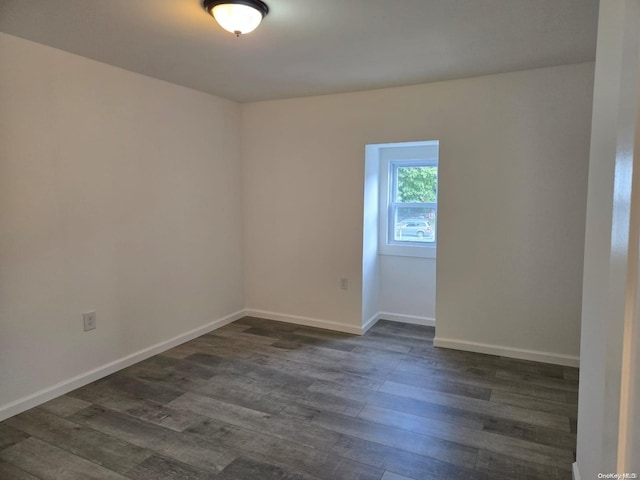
<point x="414" y="224"/>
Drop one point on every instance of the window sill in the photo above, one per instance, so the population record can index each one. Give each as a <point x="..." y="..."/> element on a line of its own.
<point x="408" y="251"/>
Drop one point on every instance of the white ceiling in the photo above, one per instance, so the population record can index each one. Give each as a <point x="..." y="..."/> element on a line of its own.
<point x="311" y="47"/>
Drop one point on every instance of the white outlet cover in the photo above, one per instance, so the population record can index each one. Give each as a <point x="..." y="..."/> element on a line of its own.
<point x="89" y="319"/>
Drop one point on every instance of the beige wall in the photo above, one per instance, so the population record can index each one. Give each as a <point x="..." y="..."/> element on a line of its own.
<point x="513" y="176"/>
<point x="135" y="198"/>
<point x="118" y="193"/>
<point x="408" y="287"/>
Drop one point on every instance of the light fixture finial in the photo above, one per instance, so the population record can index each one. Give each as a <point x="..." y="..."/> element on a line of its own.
<point x="237" y="16"/>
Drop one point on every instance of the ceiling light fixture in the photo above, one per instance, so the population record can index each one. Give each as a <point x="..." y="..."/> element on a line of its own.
<point x="237" y="16"/>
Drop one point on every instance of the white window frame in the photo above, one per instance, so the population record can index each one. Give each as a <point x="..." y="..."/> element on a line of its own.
<point x="387" y="245"/>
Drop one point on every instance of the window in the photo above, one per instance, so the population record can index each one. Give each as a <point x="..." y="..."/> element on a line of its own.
<point x="408" y="199"/>
<point x="413" y="202"/>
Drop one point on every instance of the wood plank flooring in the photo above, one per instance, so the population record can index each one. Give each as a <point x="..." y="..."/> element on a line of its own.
<point x="263" y="400"/>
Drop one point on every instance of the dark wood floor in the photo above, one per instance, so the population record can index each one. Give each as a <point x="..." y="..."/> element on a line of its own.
<point x="262" y="400"/>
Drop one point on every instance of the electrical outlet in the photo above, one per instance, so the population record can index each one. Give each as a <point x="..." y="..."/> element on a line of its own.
<point x="344" y="283"/>
<point x="89" y="321"/>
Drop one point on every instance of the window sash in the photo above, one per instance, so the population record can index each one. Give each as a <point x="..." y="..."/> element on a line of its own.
<point x="393" y="205"/>
<point x="392" y="224"/>
<point x="396" y="164"/>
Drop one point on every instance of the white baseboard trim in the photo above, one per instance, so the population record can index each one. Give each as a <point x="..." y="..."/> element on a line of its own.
<point x="78" y="381"/>
<point x="576" y="472"/>
<point x="395" y="317"/>
<point x="370" y="323"/>
<point x="66" y="386"/>
<point x="306" y="321"/>
<point x="535" y="355"/>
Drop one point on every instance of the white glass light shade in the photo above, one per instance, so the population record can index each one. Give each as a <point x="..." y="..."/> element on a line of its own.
<point x="235" y="18"/>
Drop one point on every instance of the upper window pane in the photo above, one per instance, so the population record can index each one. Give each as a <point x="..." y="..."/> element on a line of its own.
<point x="417" y="184"/>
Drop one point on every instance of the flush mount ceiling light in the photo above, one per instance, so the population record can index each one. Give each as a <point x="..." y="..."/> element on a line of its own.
<point x="237" y="16"/>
